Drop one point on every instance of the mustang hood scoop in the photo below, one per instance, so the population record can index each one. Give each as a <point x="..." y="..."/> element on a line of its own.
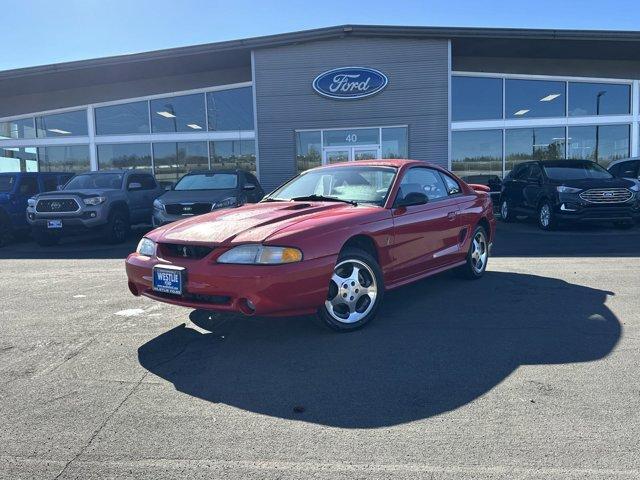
<point x="251" y="223"/>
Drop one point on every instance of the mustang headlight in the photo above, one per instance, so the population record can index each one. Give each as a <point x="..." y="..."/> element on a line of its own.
<point x="158" y="205"/>
<point x="260" y="254"/>
<point x="92" y="201"/>
<point x="146" y="247"/>
<point x="565" y="189"/>
<point x="227" y="202"/>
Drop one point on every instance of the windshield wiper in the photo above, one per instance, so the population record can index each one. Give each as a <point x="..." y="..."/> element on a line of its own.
<point x="322" y="198"/>
<point x="273" y="199"/>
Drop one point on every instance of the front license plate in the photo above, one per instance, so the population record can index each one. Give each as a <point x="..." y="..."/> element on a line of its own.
<point x="168" y="279"/>
<point x="54" y="223"/>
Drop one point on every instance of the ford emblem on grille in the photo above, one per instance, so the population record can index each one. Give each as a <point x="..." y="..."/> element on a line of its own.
<point x="55" y="205"/>
<point x="607" y="194"/>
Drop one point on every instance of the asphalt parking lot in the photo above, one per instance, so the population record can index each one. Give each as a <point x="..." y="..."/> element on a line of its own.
<point x="531" y="372"/>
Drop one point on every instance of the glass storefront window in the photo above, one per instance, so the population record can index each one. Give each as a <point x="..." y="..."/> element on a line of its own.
<point x="178" y="114"/>
<point x="18" y="159"/>
<point x="308" y="150"/>
<point x="67" y="158"/>
<point x="21" y="128"/>
<point x="476" y="156"/>
<point x="476" y="98"/>
<point x="534" y="98"/>
<point x="122" y="119"/>
<point x="601" y="143"/>
<point x="124" y="156"/>
<point x="522" y="144"/>
<point x="172" y="160"/>
<point x="598" y="99"/>
<point x="68" y="124"/>
<point x="351" y="137"/>
<point x="230" y="109"/>
<point x="394" y="142"/>
<point x="240" y="154"/>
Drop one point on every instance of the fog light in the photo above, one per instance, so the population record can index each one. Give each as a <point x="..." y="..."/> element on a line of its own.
<point x="568" y="207"/>
<point x="92" y="214"/>
<point x="32" y="216"/>
<point x="251" y="305"/>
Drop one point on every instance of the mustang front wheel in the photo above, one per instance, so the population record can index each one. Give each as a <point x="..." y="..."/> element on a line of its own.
<point x="355" y="291"/>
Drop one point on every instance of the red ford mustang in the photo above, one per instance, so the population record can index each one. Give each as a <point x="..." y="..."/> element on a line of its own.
<point x="330" y="241"/>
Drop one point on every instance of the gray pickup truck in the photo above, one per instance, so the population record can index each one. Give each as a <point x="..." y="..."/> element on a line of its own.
<point x="108" y="202"/>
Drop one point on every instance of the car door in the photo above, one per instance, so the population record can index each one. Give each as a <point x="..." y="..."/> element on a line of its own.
<point x="423" y="235"/>
<point x="26" y="188"/>
<point x="532" y="188"/>
<point x="142" y="190"/>
<point x="514" y="187"/>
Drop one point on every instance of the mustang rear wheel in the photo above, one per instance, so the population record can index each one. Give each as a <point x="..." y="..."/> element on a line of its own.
<point x="355" y="291"/>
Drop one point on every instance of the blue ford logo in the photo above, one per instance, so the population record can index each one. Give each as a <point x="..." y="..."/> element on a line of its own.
<point x="348" y="83"/>
<point x="607" y="194"/>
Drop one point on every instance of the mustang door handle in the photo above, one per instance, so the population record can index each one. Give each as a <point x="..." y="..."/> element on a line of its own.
<point x="452" y="215"/>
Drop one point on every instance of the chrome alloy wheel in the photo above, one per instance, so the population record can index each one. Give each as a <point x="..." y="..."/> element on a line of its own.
<point x="545" y="215"/>
<point x="352" y="291"/>
<point x="479" y="252"/>
<point x="504" y="209"/>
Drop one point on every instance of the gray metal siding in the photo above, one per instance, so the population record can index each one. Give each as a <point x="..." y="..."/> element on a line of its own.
<point x="416" y="96"/>
<point x="56" y="96"/>
<point x="550" y="66"/>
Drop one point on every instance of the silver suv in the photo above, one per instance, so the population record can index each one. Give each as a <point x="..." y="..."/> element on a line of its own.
<point x="108" y="201"/>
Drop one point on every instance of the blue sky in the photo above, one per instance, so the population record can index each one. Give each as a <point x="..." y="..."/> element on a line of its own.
<point x="37" y="32"/>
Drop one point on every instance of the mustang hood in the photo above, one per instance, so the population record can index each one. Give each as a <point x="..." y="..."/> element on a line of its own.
<point x="251" y="223"/>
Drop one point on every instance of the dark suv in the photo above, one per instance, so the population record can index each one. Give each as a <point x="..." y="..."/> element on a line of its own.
<point x="568" y="190"/>
<point x="15" y="191"/>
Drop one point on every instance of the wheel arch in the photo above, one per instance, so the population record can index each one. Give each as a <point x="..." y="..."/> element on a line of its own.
<point x="119" y="206"/>
<point x="363" y="242"/>
<point x="484" y="223"/>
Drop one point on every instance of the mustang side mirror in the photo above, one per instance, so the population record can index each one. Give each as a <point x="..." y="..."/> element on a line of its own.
<point x="135" y="186"/>
<point x="413" y="198"/>
<point x="249" y="186"/>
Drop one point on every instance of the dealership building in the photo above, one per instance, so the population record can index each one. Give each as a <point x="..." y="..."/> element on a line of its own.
<point x="474" y="100"/>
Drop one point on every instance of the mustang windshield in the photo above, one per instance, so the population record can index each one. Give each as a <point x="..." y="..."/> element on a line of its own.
<point x="579" y="171"/>
<point x="208" y="181"/>
<point x="360" y="184"/>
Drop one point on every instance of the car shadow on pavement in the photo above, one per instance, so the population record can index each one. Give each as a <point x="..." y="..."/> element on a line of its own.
<point x="436" y="345"/>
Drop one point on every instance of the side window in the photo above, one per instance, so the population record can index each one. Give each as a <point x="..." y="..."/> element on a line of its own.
<point x="423" y="180"/>
<point x="535" y="173"/>
<point x="627" y="169"/>
<point x="50" y="183"/>
<point x="453" y="188"/>
<point x="522" y="173"/>
<point x="147" y="181"/>
<point x="28" y="186"/>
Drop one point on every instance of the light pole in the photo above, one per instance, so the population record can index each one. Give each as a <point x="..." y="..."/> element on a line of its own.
<point x="598" y="97"/>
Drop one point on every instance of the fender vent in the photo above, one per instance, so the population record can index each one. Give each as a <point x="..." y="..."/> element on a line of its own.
<point x="463" y="235"/>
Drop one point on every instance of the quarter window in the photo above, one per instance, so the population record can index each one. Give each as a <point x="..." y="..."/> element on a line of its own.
<point x="453" y="187"/>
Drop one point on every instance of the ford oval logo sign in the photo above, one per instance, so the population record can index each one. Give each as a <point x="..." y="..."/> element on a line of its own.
<point x="349" y="83"/>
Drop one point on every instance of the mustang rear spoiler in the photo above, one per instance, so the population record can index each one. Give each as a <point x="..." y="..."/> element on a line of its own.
<point x="479" y="187"/>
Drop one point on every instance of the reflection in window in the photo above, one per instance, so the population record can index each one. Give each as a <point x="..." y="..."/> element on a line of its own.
<point x="394" y="142"/>
<point x="308" y="150"/>
<point x="178" y="114"/>
<point x="476" y="156"/>
<point x="23" y="159"/>
<point x="598" y="99"/>
<point x="124" y="156"/>
<point x="122" y="119"/>
<point x="534" y="98"/>
<point x="68" y="124"/>
<point x="172" y="160"/>
<point x="351" y="137"/>
<point x="22" y="128"/>
<point x="240" y="154"/>
<point x="522" y="144"/>
<point x="230" y="109"/>
<point x="476" y="98"/>
<point x="68" y="158"/>
<point x="601" y="143"/>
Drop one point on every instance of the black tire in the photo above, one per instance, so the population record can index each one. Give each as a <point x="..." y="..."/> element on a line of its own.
<point x="118" y="228"/>
<point x="44" y="238"/>
<point x="471" y="270"/>
<point x="506" y="211"/>
<point x="369" y="307"/>
<point x="623" y="224"/>
<point x="546" y="219"/>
